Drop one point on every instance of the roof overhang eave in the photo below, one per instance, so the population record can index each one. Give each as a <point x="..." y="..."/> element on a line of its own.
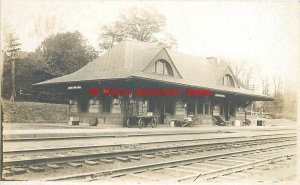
<point x="259" y="97"/>
<point x="77" y="81"/>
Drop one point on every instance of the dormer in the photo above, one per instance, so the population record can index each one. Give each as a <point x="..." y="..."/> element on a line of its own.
<point x="228" y="80"/>
<point x="162" y="67"/>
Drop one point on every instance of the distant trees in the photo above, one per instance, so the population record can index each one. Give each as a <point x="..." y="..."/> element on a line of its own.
<point x="44" y="27"/>
<point x="145" y="25"/>
<point x="57" y="55"/>
<point x="284" y="104"/>
<point x="66" y="52"/>
<point x="246" y="72"/>
<point x="285" y="97"/>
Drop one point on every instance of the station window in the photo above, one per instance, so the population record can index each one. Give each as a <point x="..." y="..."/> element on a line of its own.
<point x="191" y="108"/>
<point x="152" y="105"/>
<point x="200" y="107"/>
<point x="162" y="67"/>
<point x="73" y="105"/>
<point x="106" y="105"/>
<point x="142" y="107"/>
<point x="83" y="105"/>
<point x="170" y="107"/>
<point x="228" y="81"/>
<point x="93" y="106"/>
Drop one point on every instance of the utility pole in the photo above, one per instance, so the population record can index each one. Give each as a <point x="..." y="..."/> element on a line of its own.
<point x="13" y="57"/>
<point x="1" y="141"/>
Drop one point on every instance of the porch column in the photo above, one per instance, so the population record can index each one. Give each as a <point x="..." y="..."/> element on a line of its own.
<point x="196" y="107"/>
<point x="209" y="109"/>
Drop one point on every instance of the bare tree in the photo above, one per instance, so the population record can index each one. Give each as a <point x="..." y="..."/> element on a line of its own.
<point x="290" y="100"/>
<point x="277" y="83"/>
<point x="45" y="27"/>
<point x="245" y="72"/>
<point x="265" y="85"/>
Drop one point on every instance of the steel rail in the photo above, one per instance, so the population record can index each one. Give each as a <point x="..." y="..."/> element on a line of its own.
<point x="113" y="154"/>
<point x="96" y="175"/>
<point x="142" y="143"/>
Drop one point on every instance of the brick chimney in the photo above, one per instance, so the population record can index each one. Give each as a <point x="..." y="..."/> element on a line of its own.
<point x="212" y="60"/>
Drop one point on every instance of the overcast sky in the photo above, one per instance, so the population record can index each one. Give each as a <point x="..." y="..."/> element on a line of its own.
<point x="266" y="33"/>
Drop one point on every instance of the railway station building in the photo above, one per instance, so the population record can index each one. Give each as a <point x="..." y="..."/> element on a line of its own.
<point x="134" y="65"/>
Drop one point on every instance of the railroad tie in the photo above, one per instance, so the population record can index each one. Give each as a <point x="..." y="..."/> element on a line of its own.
<point x="36" y="168"/>
<point x="168" y="153"/>
<point x="199" y="149"/>
<point x="18" y="170"/>
<point x="60" y="163"/>
<point x="123" y="159"/>
<point x="191" y="151"/>
<point x="106" y="160"/>
<point x="149" y="156"/>
<point x="134" y="157"/>
<point x="177" y="152"/>
<point x="164" y="155"/>
<point x="54" y="166"/>
<point x="75" y="164"/>
<point x="7" y="167"/>
<point x="184" y="151"/>
<point x="90" y="162"/>
<point x="7" y="173"/>
<point x="174" y="152"/>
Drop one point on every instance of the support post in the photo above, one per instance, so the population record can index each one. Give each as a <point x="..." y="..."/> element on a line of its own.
<point x="196" y="107"/>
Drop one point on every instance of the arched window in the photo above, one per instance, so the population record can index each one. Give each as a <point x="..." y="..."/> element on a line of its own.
<point x="228" y="81"/>
<point x="162" y="67"/>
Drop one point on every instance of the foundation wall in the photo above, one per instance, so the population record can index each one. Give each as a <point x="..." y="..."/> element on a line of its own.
<point x="34" y="112"/>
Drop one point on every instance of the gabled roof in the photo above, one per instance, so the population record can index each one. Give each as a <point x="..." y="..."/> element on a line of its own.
<point x="129" y="58"/>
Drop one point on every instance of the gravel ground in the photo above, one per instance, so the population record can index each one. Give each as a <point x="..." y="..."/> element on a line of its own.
<point x="284" y="171"/>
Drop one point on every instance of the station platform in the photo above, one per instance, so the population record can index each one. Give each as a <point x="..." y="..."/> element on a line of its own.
<point x="44" y="131"/>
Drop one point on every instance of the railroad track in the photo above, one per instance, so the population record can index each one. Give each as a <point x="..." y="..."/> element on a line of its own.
<point x="42" y="155"/>
<point x="198" y="169"/>
<point x="15" y="169"/>
<point x="192" y="168"/>
<point x="157" y="141"/>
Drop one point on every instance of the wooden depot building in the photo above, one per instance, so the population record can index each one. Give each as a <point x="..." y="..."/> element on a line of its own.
<point x="133" y="65"/>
